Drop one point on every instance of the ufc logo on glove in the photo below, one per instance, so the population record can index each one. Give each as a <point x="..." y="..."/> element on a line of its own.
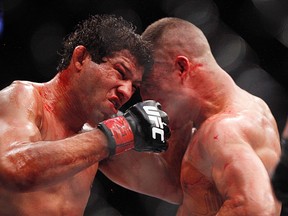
<point x="143" y="127"/>
<point x="154" y="116"/>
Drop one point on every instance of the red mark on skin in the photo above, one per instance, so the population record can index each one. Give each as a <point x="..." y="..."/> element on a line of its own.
<point x="215" y="137"/>
<point x="48" y="108"/>
<point x="64" y="77"/>
<point x="197" y="66"/>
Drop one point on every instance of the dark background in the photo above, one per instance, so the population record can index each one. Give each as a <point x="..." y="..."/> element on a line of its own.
<point x="249" y="39"/>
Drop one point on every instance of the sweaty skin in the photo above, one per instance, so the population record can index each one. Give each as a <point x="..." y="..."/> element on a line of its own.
<point x="47" y="165"/>
<point x="226" y="167"/>
<point x="223" y="165"/>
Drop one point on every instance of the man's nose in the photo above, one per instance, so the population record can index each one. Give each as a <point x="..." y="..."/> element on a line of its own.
<point x="126" y="90"/>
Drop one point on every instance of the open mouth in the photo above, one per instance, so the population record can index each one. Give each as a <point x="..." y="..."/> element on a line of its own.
<point x="116" y="104"/>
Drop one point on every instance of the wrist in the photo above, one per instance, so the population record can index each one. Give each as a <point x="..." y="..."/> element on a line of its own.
<point x="119" y="134"/>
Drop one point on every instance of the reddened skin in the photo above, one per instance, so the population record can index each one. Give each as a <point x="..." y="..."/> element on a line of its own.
<point x="183" y="66"/>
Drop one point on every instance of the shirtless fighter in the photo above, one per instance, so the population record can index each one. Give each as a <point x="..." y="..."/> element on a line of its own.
<point x="221" y="167"/>
<point x="48" y="162"/>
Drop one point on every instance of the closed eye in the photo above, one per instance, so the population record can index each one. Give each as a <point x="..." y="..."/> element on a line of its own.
<point x="124" y="76"/>
<point x="122" y="73"/>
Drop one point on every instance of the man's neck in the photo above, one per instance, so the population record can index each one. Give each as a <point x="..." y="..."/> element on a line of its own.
<point x="56" y="95"/>
<point x="215" y="92"/>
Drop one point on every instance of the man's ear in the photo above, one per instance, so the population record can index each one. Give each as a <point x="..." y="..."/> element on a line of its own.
<point x="79" y="55"/>
<point x="183" y="65"/>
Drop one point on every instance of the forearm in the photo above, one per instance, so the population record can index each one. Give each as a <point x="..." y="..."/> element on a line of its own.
<point x="144" y="173"/>
<point x="26" y="166"/>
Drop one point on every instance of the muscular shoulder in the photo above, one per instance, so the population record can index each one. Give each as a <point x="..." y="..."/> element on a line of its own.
<point x="252" y="131"/>
<point x="18" y="98"/>
<point x="223" y="126"/>
<point x="243" y="126"/>
<point x="19" y="90"/>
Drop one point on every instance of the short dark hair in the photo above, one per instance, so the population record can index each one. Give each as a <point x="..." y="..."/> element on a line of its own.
<point x="102" y="35"/>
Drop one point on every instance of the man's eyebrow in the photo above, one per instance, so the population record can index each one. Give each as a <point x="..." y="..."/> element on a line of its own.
<point x="130" y="73"/>
<point x="126" y="68"/>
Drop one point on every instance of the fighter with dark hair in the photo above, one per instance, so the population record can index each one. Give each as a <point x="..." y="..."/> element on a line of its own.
<point x="48" y="162"/>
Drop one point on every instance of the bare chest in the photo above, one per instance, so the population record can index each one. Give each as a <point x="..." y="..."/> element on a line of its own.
<point x="53" y="129"/>
<point x="200" y="193"/>
<point x="66" y="198"/>
<point x="200" y="196"/>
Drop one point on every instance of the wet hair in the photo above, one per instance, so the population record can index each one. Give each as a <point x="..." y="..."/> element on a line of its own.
<point x="103" y="35"/>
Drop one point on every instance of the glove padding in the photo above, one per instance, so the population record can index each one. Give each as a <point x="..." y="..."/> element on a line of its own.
<point x="143" y="127"/>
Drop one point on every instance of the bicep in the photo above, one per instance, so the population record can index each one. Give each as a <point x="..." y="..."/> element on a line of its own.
<point x="239" y="173"/>
<point x="20" y="131"/>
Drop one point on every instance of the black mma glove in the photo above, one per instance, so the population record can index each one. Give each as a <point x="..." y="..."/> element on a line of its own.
<point x="280" y="175"/>
<point x="143" y="127"/>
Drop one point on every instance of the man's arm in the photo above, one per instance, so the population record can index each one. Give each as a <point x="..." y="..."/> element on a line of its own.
<point x="156" y="175"/>
<point x="239" y="173"/>
<point x="27" y="161"/>
<point x="244" y="182"/>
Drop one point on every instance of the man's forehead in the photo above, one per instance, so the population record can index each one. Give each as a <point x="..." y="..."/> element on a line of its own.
<point x="124" y="54"/>
<point x="128" y="61"/>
